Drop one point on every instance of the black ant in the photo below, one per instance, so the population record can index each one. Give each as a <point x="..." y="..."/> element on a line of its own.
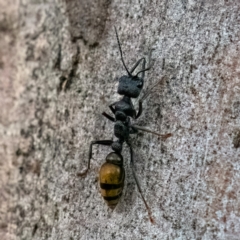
<point x="111" y="175"/>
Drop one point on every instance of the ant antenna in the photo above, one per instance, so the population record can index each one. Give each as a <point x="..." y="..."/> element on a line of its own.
<point x="119" y="45"/>
<point x="144" y="70"/>
<point x="149" y="60"/>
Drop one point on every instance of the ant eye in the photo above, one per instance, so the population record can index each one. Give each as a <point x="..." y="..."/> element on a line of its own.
<point x="140" y="84"/>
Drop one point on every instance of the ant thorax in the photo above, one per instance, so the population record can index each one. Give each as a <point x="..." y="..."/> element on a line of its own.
<point x="126" y="107"/>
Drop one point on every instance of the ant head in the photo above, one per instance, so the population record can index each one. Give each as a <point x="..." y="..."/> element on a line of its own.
<point x="130" y="86"/>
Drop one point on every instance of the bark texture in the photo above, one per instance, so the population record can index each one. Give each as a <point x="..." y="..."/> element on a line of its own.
<point x="59" y="65"/>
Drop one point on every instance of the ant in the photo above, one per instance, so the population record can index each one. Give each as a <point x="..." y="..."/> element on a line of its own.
<point x="112" y="174"/>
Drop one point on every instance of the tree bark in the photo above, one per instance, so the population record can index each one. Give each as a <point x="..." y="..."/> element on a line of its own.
<point x="59" y="66"/>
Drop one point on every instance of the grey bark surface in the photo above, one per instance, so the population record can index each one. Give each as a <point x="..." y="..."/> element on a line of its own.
<point x="59" y="65"/>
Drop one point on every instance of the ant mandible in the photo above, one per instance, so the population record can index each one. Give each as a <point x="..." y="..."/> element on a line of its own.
<point x="112" y="174"/>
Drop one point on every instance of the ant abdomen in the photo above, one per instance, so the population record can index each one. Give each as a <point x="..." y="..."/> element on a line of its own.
<point x="111" y="179"/>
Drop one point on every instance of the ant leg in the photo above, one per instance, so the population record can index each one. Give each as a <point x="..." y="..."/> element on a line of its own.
<point x="137" y="182"/>
<point x="108" y="116"/>
<point x="139" y="109"/>
<point x="164" y="136"/>
<point x="100" y="142"/>
<point x="112" y="108"/>
<point x="113" y="111"/>
<point x="136" y="64"/>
